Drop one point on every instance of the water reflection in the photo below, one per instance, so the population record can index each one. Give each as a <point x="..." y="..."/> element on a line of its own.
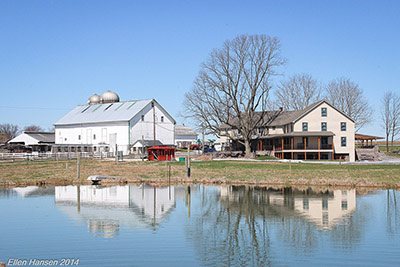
<point x="240" y="224"/>
<point x="204" y="225"/>
<point x="105" y="209"/>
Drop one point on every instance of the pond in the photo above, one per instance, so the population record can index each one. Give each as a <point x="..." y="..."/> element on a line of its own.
<point x="198" y="226"/>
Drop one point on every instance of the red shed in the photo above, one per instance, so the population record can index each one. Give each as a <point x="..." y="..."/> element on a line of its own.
<point x="160" y="153"/>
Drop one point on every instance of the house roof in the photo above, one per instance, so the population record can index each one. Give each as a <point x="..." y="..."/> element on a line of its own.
<point x="109" y="112"/>
<point x="300" y="134"/>
<point x="181" y="130"/>
<point x="280" y="118"/>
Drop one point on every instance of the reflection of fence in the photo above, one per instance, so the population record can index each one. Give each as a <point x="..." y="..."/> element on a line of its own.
<point x="54" y="156"/>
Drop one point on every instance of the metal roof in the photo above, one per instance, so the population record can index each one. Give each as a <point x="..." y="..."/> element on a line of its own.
<point x="182" y="130"/>
<point x="280" y="118"/>
<point x="41" y="137"/>
<point x="109" y="112"/>
<point x="300" y="134"/>
<point x="148" y="143"/>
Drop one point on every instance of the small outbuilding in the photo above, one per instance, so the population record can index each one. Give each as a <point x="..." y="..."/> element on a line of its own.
<point x="160" y="153"/>
<point x="29" y="141"/>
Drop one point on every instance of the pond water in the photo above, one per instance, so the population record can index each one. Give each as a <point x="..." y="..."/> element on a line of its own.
<point x="198" y="226"/>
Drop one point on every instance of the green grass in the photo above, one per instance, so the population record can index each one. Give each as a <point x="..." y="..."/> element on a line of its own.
<point x="265" y="158"/>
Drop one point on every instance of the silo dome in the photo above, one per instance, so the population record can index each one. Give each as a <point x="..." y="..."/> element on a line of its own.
<point x="94" y="99"/>
<point x="109" y="97"/>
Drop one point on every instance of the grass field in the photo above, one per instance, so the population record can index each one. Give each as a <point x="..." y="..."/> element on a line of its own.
<point x="65" y="172"/>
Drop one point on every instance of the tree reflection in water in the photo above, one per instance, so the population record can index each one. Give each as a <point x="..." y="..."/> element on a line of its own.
<point x="392" y="211"/>
<point x="241" y="225"/>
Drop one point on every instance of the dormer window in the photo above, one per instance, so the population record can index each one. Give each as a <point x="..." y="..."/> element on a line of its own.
<point x="324" y="112"/>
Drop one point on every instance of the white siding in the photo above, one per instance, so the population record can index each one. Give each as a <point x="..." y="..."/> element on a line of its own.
<point x="333" y="120"/>
<point x="145" y="128"/>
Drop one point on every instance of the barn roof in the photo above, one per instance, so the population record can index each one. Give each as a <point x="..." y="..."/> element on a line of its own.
<point x="109" y="112"/>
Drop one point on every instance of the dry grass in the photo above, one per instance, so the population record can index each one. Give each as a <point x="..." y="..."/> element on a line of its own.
<point x="238" y="172"/>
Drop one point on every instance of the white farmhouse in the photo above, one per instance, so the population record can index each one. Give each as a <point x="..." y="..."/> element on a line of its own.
<point x="318" y="132"/>
<point x="106" y="122"/>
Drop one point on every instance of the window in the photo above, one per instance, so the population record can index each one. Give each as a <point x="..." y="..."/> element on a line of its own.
<point x="79" y="137"/>
<point x="162" y="118"/>
<point x="273" y="127"/>
<point x="305" y="126"/>
<point x="344" y="204"/>
<point x="306" y="204"/>
<point x="142" y="117"/>
<point x="94" y="137"/>
<point x="343" y="126"/>
<point x="343" y="141"/>
<point x="325" y="219"/>
<point x="324" y="204"/>
<point x="323" y="126"/>
<point x="324" y="112"/>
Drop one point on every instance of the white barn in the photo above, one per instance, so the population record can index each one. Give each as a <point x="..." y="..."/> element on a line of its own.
<point x="110" y="122"/>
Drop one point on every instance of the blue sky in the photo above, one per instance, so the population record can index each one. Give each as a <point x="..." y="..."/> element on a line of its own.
<point x="55" y="54"/>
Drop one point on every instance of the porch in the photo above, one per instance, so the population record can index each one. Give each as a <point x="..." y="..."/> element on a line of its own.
<point x="301" y="145"/>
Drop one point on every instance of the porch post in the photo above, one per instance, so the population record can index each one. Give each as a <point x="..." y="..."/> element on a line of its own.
<point x="292" y="146"/>
<point x="261" y="145"/>
<point x="319" y="153"/>
<point x="333" y="149"/>
<point x="305" y="148"/>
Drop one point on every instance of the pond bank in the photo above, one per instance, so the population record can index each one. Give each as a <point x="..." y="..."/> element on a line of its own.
<point x="205" y="172"/>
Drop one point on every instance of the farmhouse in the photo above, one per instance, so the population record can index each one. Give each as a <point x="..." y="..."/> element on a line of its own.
<point x="319" y="131"/>
<point x="106" y="123"/>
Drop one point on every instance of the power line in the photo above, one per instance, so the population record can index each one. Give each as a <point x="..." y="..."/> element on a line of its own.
<point x="40" y="108"/>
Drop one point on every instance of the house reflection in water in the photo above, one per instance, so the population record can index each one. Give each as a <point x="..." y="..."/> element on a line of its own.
<point x="323" y="208"/>
<point x="106" y="209"/>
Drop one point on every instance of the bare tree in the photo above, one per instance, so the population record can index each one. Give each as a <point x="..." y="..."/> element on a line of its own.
<point x="386" y="116"/>
<point x="10" y="130"/>
<point x="396" y="116"/>
<point x="33" y="128"/>
<point x="233" y="86"/>
<point x="348" y="97"/>
<point x="298" y="92"/>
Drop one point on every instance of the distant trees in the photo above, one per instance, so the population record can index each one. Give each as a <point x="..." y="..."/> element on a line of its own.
<point x="10" y="130"/>
<point x="298" y="92"/>
<point x="346" y="95"/>
<point x="235" y="82"/>
<point x="390" y="115"/>
<point x="33" y="128"/>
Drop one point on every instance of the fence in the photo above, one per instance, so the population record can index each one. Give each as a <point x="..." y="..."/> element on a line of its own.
<point x="53" y="156"/>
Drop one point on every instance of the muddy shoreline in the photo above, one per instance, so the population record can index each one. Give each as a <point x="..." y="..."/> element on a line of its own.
<point x="176" y="181"/>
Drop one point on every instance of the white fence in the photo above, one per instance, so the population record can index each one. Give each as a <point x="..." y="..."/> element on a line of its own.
<point x="54" y="156"/>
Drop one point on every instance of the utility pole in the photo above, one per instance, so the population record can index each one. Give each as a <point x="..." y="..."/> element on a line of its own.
<point x="143" y="146"/>
<point x="154" y="122"/>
